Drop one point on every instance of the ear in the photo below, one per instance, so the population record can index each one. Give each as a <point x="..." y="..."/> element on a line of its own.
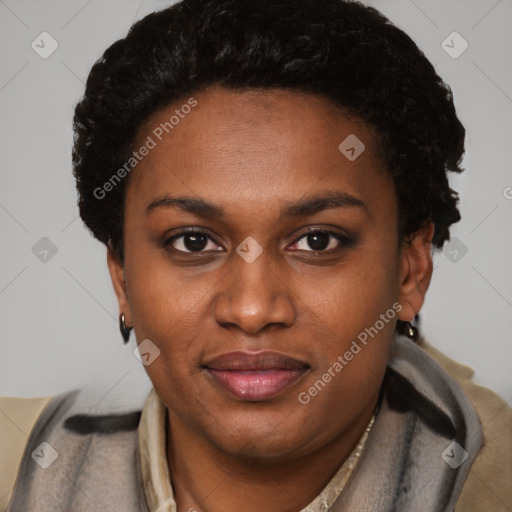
<point x="116" y="270"/>
<point x="415" y="271"/>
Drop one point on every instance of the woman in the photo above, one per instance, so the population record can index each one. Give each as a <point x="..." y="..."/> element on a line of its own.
<point x="269" y="179"/>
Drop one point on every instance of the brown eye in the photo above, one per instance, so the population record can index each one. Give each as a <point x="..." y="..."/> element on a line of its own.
<point x="191" y="241"/>
<point x="321" y="241"/>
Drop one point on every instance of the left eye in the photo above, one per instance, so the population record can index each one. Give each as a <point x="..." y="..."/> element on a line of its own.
<point x="320" y="241"/>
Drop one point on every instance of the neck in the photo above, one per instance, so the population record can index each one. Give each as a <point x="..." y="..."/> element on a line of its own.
<point x="207" y="479"/>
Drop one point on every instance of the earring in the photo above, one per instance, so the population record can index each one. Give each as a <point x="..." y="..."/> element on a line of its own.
<point x="412" y="332"/>
<point x="125" y="331"/>
<point x="407" y="329"/>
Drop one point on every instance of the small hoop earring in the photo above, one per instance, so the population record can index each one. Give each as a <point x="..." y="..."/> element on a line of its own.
<point x="412" y="332"/>
<point x="125" y="331"/>
<point x="407" y="329"/>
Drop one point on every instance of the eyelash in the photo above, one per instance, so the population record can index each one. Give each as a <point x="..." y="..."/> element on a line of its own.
<point x="345" y="241"/>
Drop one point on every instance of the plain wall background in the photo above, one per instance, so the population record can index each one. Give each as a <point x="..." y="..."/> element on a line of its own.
<point x="59" y="318"/>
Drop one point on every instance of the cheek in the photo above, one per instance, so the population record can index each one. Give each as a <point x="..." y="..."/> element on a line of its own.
<point x="355" y="314"/>
<point x="355" y="295"/>
<point x="166" y="310"/>
<point x="165" y="301"/>
<point x="351" y="356"/>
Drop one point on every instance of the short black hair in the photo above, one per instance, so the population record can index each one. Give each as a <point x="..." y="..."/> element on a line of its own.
<point x="341" y="50"/>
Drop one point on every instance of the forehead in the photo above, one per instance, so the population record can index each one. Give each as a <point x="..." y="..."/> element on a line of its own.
<point x="241" y="147"/>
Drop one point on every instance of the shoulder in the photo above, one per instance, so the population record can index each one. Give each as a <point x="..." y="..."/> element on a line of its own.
<point x="488" y="484"/>
<point x="17" y="418"/>
<point x="76" y="427"/>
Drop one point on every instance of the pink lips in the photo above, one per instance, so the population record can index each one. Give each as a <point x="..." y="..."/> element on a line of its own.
<point x="255" y="376"/>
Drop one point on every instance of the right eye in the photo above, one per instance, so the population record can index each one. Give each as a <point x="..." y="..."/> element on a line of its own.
<point x="190" y="241"/>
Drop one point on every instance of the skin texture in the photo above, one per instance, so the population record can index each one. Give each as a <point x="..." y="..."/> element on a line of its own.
<point x="251" y="153"/>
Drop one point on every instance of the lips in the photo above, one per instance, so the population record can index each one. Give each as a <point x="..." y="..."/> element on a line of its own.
<point x="255" y="376"/>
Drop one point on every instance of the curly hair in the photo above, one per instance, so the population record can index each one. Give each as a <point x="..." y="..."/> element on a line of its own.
<point x="338" y="49"/>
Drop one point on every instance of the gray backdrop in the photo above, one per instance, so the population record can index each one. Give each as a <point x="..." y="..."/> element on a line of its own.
<point x="58" y="312"/>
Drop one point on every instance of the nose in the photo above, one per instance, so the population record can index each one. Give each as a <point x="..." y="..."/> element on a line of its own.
<point x="253" y="296"/>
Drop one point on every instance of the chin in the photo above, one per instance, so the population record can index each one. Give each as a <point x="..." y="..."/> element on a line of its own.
<point x="257" y="448"/>
<point x="258" y="439"/>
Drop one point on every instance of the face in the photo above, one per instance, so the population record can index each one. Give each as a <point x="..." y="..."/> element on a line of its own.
<point x="257" y="258"/>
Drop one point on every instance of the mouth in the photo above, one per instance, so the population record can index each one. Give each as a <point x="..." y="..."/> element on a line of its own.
<point x="255" y="376"/>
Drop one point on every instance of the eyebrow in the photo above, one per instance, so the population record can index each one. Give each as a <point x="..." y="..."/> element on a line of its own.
<point x="300" y="208"/>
